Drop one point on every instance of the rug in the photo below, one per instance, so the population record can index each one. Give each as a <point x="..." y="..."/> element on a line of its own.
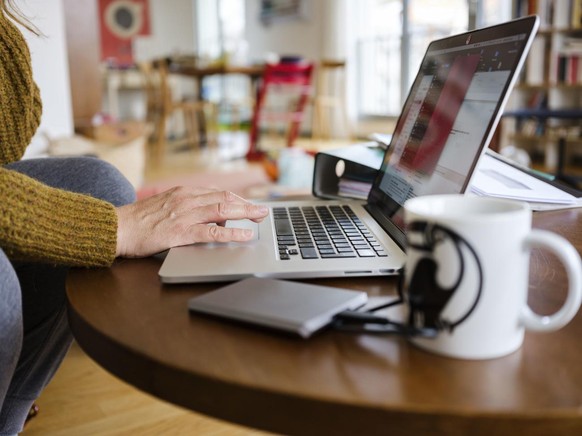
<point x="241" y="182"/>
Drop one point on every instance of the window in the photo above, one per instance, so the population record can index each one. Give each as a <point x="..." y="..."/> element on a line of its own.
<point x="220" y="28"/>
<point x="391" y="37"/>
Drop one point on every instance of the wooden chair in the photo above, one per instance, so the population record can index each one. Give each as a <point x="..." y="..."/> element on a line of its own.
<point x="329" y="103"/>
<point x="295" y="80"/>
<point x="199" y="117"/>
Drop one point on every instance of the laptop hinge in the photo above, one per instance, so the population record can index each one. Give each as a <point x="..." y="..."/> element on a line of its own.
<point x="389" y="227"/>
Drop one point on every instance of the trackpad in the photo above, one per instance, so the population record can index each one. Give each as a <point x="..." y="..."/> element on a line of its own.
<point x="245" y="224"/>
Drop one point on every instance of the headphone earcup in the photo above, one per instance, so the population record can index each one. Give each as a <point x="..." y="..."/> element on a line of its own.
<point x="423" y="279"/>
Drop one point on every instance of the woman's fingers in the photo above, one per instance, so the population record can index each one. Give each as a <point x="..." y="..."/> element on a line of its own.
<point x="210" y="233"/>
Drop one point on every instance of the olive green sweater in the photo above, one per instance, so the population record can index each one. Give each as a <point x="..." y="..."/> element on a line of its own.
<point x="38" y="222"/>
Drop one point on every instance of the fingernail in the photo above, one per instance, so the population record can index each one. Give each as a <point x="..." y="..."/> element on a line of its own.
<point x="263" y="209"/>
<point x="248" y="233"/>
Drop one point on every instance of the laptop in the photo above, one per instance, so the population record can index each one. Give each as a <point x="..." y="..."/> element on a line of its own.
<point x="447" y="122"/>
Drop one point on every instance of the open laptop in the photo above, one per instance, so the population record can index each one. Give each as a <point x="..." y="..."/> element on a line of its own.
<point x="446" y="123"/>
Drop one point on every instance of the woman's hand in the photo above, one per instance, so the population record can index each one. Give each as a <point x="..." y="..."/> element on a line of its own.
<point x="181" y="216"/>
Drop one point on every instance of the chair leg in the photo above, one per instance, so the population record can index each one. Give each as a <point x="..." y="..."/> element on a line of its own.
<point x="346" y="119"/>
<point x="189" y="116"/>
<point x="210" y="111"/>
<point x="316" y="120"/>
<point x="254" y="153"/>
<point x="326" y="125"/>
<point x="296" y="122"/>
<point x="159" y="142"/>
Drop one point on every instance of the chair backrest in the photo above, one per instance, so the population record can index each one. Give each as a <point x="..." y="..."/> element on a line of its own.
<point x="331" y="78"/>
<point x="156" y="85"/>
<point x="299" y="73"/>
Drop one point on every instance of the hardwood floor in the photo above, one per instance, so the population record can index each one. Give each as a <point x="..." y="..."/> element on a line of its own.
<point x="84" y="399"/>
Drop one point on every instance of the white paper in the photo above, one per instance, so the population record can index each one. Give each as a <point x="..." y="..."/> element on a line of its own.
<point x="494" y="178"/>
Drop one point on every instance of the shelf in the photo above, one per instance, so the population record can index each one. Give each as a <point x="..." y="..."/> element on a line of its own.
<point x="549" y="95"/>
<point x="545" y="31"/>
<point x="548" y="86"/>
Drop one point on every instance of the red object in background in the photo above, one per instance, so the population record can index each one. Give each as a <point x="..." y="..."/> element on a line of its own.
<point x="119" y="22"/>
<point x="295" y="75"/>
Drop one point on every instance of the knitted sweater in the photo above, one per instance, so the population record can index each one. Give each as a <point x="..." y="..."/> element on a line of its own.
<point x="38" y="222"/>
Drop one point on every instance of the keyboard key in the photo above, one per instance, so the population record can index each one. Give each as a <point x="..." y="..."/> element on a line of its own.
<point x="309" y="253"/>
<point x="366" y="253"/>
<point x="283" y="227"/>
<point x="337" y="255"/>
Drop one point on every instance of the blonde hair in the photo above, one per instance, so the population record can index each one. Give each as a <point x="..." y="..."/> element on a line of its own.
<point x="12" y="11"/>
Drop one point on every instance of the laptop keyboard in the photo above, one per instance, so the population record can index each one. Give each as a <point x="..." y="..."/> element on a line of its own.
<point x="326" y="232"/>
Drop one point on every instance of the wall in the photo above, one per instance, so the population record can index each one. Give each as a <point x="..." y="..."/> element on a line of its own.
<point x="82" y="39"/>
<point x="172" y="26"/>
<point x="323" y="33"/>
<point x="50" y="65"/>
<point x="299" y="36"/>
<point x="172" y="32"/>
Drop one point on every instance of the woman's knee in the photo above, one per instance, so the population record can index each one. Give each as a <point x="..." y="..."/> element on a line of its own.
<point x="104" y="181"/>
<point x="85" y="175"/>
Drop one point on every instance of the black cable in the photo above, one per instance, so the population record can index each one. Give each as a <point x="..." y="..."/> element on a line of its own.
<point x="366" y="322"/>
<point x="384" y="306"/>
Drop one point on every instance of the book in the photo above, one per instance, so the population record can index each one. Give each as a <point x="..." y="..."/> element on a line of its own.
<point x="535" y="71"/>
<point x="576" y="14"/>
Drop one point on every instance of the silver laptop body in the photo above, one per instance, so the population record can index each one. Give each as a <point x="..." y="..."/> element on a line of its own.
<point x="447" y="122"/>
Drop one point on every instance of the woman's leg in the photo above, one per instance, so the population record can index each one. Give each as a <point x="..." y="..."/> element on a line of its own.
<point x="10" y="330"/>
<point x="86" y="175"/>
<point x="46" y="334"/>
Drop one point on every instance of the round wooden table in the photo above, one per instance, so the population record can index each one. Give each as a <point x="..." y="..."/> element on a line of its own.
<point x="334" y="383"/>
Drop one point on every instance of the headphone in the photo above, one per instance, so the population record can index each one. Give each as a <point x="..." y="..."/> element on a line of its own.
<point x="425" y="296"/>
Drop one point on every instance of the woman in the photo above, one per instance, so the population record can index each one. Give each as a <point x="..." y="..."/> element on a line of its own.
<point x="57" y="213"/>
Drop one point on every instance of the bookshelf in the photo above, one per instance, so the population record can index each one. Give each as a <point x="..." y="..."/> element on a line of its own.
<point x="551" y="81"/>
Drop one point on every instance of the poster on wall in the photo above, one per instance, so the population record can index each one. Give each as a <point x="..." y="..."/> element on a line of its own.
<point x="119" y="22"/>
<point x="278" y="10"/>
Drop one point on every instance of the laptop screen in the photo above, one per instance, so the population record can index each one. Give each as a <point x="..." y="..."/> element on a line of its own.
<point x="450" y="114"/>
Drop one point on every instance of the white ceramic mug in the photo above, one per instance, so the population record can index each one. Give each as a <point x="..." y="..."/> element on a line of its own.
<point x="467" y="274"/>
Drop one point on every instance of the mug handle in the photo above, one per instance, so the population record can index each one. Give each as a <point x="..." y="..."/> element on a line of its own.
<point x="573" y="264"/>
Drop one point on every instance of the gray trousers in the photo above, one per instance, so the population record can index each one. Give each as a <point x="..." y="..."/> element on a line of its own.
<point x="34" y="331"/>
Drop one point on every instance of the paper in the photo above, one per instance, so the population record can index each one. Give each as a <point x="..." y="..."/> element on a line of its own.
<point x="495" y="178"/>
<point x="353" y="188"/>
